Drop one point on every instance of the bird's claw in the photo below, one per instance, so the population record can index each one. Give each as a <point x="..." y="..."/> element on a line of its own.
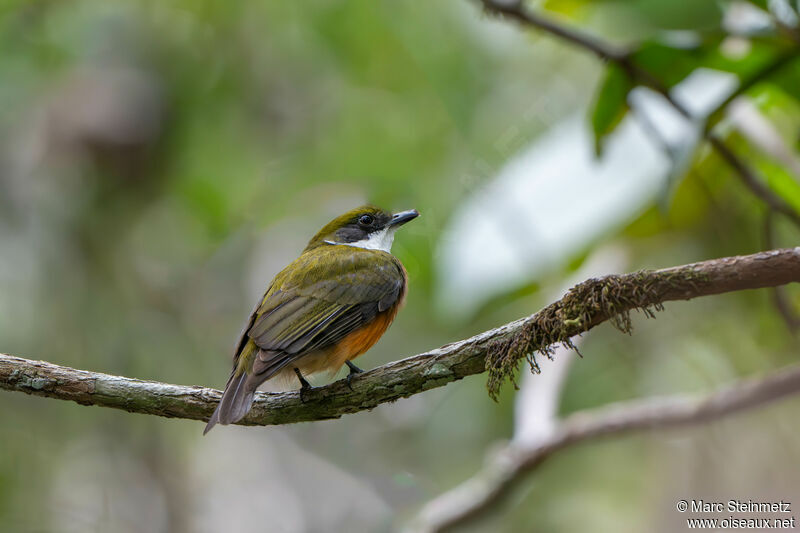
<point x="353" y="370"/>
<point x="305" y="386"/>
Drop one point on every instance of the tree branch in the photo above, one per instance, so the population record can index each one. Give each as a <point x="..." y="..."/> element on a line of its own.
<point x="415" y="374"/>
<point x="783" y="303"/>
<point x="509" y="466"/>
<point x="517" y="11"/>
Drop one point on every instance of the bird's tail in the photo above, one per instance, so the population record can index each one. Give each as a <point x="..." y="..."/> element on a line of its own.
<point x="236" y="401"/>
<point x="239" y="391"/>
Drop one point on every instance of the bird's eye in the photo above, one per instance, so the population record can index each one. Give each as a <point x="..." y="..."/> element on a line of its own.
<point x="366" y="220"/>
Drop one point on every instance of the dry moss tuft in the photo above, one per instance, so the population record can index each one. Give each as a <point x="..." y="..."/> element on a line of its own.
<point x="583" y="307"/>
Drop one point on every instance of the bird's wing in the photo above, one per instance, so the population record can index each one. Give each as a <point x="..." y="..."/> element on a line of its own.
<point x="319" y="299"/>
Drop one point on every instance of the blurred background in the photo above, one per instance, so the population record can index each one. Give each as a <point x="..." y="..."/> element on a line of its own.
<point x="161" y="161"/>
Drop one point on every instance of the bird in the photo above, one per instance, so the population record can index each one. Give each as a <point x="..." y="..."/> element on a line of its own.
<point x="323" y="310"/>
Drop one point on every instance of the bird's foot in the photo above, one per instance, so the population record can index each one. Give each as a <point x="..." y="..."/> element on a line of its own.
<point x="305" y="386"/>
<point x="353" y="370"/>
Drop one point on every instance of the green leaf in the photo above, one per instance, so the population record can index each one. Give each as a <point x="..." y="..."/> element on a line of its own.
<point x="610" y="106"/>
<point x="782" y="182"/>
<point x="571" y="8"/>
<point x="648" y="15"/>
<point x="788" y="79"/>
<point x="782" y="111"/>
<point x="761" y="4"/>
<point x="671" y="64"/>
<point x="759" y="54"/>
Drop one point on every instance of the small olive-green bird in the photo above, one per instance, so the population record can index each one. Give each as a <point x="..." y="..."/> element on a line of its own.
<point x="327" y="307"/>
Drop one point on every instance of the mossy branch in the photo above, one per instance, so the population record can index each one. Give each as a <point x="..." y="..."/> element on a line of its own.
<point x="614" y="297"/>
<point x="498" y="350"/>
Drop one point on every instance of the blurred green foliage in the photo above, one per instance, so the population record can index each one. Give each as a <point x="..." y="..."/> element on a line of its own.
<point x="611" y="105"/>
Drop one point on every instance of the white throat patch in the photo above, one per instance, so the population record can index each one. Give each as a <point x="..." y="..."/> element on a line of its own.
<point x="379" y="240"/>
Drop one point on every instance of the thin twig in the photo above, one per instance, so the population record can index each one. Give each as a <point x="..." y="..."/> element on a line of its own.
<point x="508" y="467"/>
<point x="409" y="376"/>
<point x="603" y="50"/>
<point x="753" y="182"/>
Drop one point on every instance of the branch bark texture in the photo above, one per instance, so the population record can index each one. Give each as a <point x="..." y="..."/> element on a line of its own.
<point x="583" y="307"/>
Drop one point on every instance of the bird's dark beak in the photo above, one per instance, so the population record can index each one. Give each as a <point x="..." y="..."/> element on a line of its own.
<point x="398" y="219"/>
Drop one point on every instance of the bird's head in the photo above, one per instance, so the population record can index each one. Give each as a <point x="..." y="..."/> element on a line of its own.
<point x="364" y="227"/>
